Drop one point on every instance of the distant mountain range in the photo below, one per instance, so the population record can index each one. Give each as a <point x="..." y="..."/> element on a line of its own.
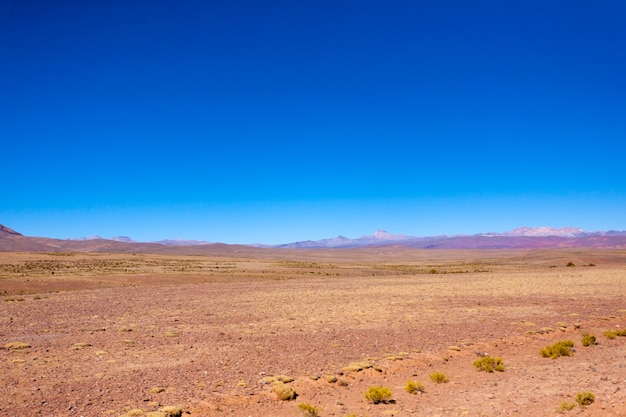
<point x="520" y="238"/>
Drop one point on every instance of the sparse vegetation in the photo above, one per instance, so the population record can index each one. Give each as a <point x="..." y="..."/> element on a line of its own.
<point x="282" y="379"/>
<point x="378" y="394"/>
<point x="284" y="392"/>
<point x="78" y="346"/>
<point x="570" y="264"/>
<point x="612" y="334"/>
<point x="562" y="348"/>
<point x="308" y="410"/>
<point x="357" y="367"/>
<point x="565" y="406"/>
<point x="414" y="387"/>
<point x="438" y="377"/>
<point x="585" y="398"/>
<point x="156" y="390"/>
<point x="489" y="364"/>
<point x="16" y="345"/>
<point x="588" y="340"/>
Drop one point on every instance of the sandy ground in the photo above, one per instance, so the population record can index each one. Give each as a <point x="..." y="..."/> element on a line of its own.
<point x="111" y="334"/>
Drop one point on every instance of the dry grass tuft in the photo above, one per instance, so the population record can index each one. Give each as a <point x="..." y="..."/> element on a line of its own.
<point x="414" y="387"/>
<point x="585" y="398"/>
<point x="308" y="410"/>
<point x="78" y="346"/>
<point x="588" y="340"/>
<point x="562" y="348"/>
<point x="16" y="346"/>
<point x="565" y="406"/>
<point x="489" y="364"/>
<point x="439" y="377"/>
<point x="156" y="390"/>
<point x="284" y="392"/>
<point x="378" y="394"/>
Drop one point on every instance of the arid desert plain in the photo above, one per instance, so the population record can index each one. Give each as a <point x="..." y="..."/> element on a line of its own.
<point x="100" y="334"/>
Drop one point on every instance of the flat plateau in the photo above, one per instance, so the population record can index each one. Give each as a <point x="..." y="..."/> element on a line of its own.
<point x="112" y="334"/>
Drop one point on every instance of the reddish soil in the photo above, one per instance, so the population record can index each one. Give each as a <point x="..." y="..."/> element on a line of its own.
<point x="207" y="330"/>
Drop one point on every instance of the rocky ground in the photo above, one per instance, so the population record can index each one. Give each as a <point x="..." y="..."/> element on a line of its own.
<point x="115" y="334"/>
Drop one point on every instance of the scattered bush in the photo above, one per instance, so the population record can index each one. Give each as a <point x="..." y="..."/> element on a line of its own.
<point x="414" y="387"/>
<point x="438" y="377"/>
<point x="378" y="394"/>
<point x="308" y="410"/>
<point x="136" y="412"/>
<point x="562" y="348"/>
<point x="570" y="264"/>
<point x="16" y="345"/>
<point x="284" y="392"/>
<point x="565" y="406"/>
<point x="588" y="339"/>
<point x="172" y="411"/>
<point x="489" y="364"/>
<point x="612" y="334"/>
<point x="585" y="398"/>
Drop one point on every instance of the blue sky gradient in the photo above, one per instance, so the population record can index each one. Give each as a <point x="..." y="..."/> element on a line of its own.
<point x="278" y="121"/>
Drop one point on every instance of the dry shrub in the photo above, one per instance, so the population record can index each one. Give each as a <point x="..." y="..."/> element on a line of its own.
<point x="284" y="392"/>
<point x="585" y="398"/>
<point x="308" y="410"/>
<point x="588" y="340"/>
<point x="489" y="364"/>
<point x="562" y="348"/>
<point x="414" y="387"/>
<point x="16" y="345"/>
<point x="378" y="394"/>
<point x="438" y="377"/>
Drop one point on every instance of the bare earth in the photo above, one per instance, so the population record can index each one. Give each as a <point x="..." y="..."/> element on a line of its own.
<point x="106" y="330"/>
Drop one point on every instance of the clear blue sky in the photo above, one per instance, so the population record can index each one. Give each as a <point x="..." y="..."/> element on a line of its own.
<point x="277" y="121"/>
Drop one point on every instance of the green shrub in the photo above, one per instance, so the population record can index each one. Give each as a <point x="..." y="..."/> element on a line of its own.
<point x="489" y="364"/>
<point x="562" y="348"/>
<point x="588" y="339"/>
<point x="438" y="377"/>
<point x="378" y="394"/>
<point x="308" y="410"/>
<point x="585" y="398"/>
<point x="414" y="387"/>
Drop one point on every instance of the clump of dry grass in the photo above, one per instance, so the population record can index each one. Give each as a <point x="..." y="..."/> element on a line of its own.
<point x="612" y="334"/>
<point x="78" y="346"/>
<point x="438" y="377"/>
<point x="284" y="379"/>
<point x="16" y="346"/>
<point x="562" y="348"/>
<point x="414" y="387"/>
<point x="284" y="392"/>
<point x="588" y="340"/>
<point x="585" y="398"/>
<point x="357" y="366"/>
<point x="156" y="390"/>
<point x="565" y="406"/>
<point x="308" y="410"/>
<point x="378" y="394"/>
<point x="172" y="411"/>
<point x="136" y="412"/>
<point x="489" y="364"/>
